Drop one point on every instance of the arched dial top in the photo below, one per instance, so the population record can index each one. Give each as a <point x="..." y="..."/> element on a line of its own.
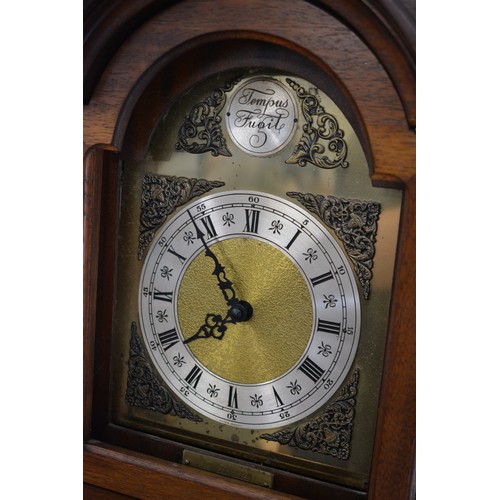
<point x="249" y="309"/>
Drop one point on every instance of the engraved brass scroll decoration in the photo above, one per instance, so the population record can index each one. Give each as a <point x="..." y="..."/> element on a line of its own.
<point x="329" y="433"/>
<point x="161" y="195"/>
<point x="354" y="223"/>
<point x="143" y="388"/>
<point x="201" y="131"/>
<point x="320" y="132"/>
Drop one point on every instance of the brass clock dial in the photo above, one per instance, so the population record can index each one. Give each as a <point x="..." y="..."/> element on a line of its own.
<point x="249" y="309"/>
<point x="254" y="279"/>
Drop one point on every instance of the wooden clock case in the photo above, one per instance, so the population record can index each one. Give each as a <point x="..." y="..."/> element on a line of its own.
<point x="140" y="55"/>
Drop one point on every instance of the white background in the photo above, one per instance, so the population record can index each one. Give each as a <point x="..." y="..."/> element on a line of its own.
<point x="458" y="225"/>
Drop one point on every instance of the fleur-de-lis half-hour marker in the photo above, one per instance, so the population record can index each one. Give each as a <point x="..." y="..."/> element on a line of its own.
<point x="228" y="219"/>
<point x="213" y="390"/>
<point x="294" y="387"/>
<point x="179" y="360"/>
<point x="310" y="255"/>
<point x="256" y="400"/>
<point x="162" y="316"/>
<point x="166" y="272"/>
<point x="189" y="237"/>
<point x="325" y="349"/>
<point x="330" y="301"/>
<point x="276" y="227"/>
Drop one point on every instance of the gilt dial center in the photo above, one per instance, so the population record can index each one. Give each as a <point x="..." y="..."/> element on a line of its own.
<point x="273" y="319"/>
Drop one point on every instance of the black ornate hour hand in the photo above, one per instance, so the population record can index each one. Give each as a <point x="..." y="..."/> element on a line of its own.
<point x="225" y="284"/>
<point x="239" y="310"/>
<point x="214" y="327"/>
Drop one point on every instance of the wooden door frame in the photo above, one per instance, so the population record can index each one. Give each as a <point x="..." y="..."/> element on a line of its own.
<point x="111" y="27"/>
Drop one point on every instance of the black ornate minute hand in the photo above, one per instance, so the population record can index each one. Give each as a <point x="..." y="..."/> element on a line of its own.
<point x="239" y="310"/>
<point x="214" y="326"/>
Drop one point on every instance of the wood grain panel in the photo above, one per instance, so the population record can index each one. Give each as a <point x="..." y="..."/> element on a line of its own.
<point x="95" y="161"/>
<point x="384" y="25"/>
<point x="394" y="452"/>
<point x="149" y="478"/>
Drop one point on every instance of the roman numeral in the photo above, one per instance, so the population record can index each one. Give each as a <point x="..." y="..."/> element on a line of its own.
<point x="193" y="377"/>
<point x="173" y="252"/>
<point x="232" y="402"/>
<point x="295" y="236"/>
<point x="311" y="369"/>
<point x="165" y="296"/>
<point x="277" y="398"/>
<point x="168" y="339"/>
<point x="209" y="227"/>
<point x="252" y="221"/>
<point x="322" y="278"/>
<point x="328" y="326"/>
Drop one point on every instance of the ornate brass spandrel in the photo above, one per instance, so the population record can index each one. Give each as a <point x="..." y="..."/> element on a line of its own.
<point x="161" y="195"/>
<point x="330" y="432"/>
<point x="203" y="124"/>
<point x="321" y="133"/>
<point x="144" y="390"/>
<point x="354" y="223"/>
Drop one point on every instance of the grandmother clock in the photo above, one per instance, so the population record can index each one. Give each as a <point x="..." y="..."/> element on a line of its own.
<point x="249" y="225"/>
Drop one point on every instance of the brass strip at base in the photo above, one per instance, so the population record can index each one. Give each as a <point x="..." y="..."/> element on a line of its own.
<point x="227" y="468"/>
